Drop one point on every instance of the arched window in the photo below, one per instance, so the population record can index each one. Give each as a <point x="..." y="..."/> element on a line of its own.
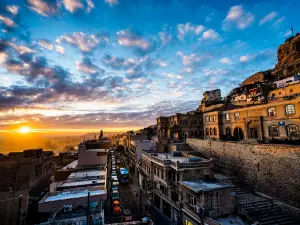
<point x="289" y="109"/>
<point x="207" y="131"/>
<point x="210" y="119"/>
<point x="215" y="131"/>
<point x="210" y="131"/>
<point x="273" y="131"/>
<point x="271" y="111"/>
<point x="292" y="130"/>
<point x="214" y="118"/>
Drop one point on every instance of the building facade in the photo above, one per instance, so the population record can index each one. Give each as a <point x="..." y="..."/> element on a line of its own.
<point x="279" y="119"/>
<point x="172" y="179"/>
<point x="25" y="176"/>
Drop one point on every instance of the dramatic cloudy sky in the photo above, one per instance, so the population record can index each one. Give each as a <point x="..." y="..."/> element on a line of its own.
<point x="121" y="63"/>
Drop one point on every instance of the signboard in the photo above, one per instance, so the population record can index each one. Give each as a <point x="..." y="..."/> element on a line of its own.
<point x="281" y="123"/>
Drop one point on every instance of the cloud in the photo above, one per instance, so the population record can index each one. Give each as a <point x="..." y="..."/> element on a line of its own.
<point x="225" y="61"/>
<point x="135" y="73"/>
<point x="131" y="39"/>
<point x="59" y="49"/>
<point x="268" y="18"/>
<point x="116" y="63"/>
<point x="192" y="62"/>
<point x="172" y="75"/>
<point x="21" y="49"/>
<point x="84" y="42"/>
<point x="238" y="17"/>
<point x="87" y="66"/>
<point x="43" y="7"/>
<point x="210" y="34"/>
<point x="13" y="9"/>
<point x="244" y="58"/>
<point x="7" y="21"/>
<point x="278" y="22"/>
<point x="188" y="28"/>
<point x="3" y="57"/>
<point x="210" y="72"/>
<point x="76" y="5"/>
<point x="46" y="44"/>
<point x="164" y="37"/>
<point x="112" y="2"/>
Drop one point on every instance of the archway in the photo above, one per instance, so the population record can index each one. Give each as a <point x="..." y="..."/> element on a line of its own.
<point x="253" y="129"/>
<point x="238" y="134"/>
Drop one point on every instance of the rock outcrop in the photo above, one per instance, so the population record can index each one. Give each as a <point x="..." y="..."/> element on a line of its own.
<point x="288" y="55"/>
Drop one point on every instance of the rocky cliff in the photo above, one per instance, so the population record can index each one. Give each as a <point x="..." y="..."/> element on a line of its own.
<point x="288" y="55"/>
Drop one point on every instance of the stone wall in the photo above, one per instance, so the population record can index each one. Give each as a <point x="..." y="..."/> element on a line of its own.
<point x="271" y="169"/>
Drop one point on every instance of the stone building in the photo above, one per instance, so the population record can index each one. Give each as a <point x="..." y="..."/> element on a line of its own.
<point x="24" y="176"/>
<point x="182" y="183"/>
<point x="180" y="125"/>
<point x="279" y="120"/>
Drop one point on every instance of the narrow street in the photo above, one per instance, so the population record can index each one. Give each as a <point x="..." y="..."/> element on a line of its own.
<point x="127" y="200"/>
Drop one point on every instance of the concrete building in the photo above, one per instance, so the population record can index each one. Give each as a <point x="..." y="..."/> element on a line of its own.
<point x="285" y="82"/>
<point x="212" y="96"/>
<point x="291" y="89"/>
<point x="24" y="176"/>
<point x="78" y="183"/>
<point x="92" y="153"/>
<point x="170" y="176"/>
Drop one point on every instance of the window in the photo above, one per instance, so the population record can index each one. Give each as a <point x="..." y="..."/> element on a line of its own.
<point x="237" y="116"/>
<point x="271" y="111"/>
<point x="210" y="119"/>
<point x="292" y="130"/>
<point x="162" y="174"/>
<point x="291" y="90"/>
<point x="215" y="131"/>
<point x="273" y="131"/>
<point x="227" y="116"/>
<point x="206" y="119"/>
<point x="210" y="131"/>
<point x="207" y="131"/>
<point x="279" y="93"/>
<point x="289" y="109"/>
<point x="214" y="118"/>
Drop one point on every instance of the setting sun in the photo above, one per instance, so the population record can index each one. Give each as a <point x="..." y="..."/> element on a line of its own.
<point x="24" y="130"/>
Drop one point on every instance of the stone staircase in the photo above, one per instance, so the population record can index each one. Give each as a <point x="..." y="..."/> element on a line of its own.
<point x="258" y="208"/>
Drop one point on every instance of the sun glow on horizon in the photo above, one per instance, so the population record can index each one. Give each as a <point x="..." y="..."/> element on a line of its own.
<point x="24" y="130"/>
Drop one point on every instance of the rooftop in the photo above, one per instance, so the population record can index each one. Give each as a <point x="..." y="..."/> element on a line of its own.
<point x="72" y="165"/>
<point x="73" y="184"/>
<point x="198" y="185"/>
<point x="63" y="195"/>
<point x="87" y="174"/>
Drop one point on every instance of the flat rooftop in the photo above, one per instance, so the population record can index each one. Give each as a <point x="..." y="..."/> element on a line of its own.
<point x="181" y="159"/>
<point x="63" y="195"/>
<point x="198" y="185"/>
<point x="88" y="174"/>
<point x="71" y="184"/>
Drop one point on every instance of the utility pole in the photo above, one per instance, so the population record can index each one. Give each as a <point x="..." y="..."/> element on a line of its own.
<point x="19" y="209"/>
<point x="88" y="210"/>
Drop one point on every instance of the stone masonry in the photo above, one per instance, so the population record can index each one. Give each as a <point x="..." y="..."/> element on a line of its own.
<point x="271" y="169"/>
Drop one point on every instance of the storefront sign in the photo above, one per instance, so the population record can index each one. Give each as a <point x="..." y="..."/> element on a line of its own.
<point x="281" y="123"/>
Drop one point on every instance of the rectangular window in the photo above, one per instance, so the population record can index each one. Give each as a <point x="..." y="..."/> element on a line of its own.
<point x="227" y="116"/>
<point x="162" y="174"/>
<point x="291" y="90"/>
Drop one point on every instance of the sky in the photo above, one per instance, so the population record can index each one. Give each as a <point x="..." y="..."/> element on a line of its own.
<point x="118" y="64"/>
